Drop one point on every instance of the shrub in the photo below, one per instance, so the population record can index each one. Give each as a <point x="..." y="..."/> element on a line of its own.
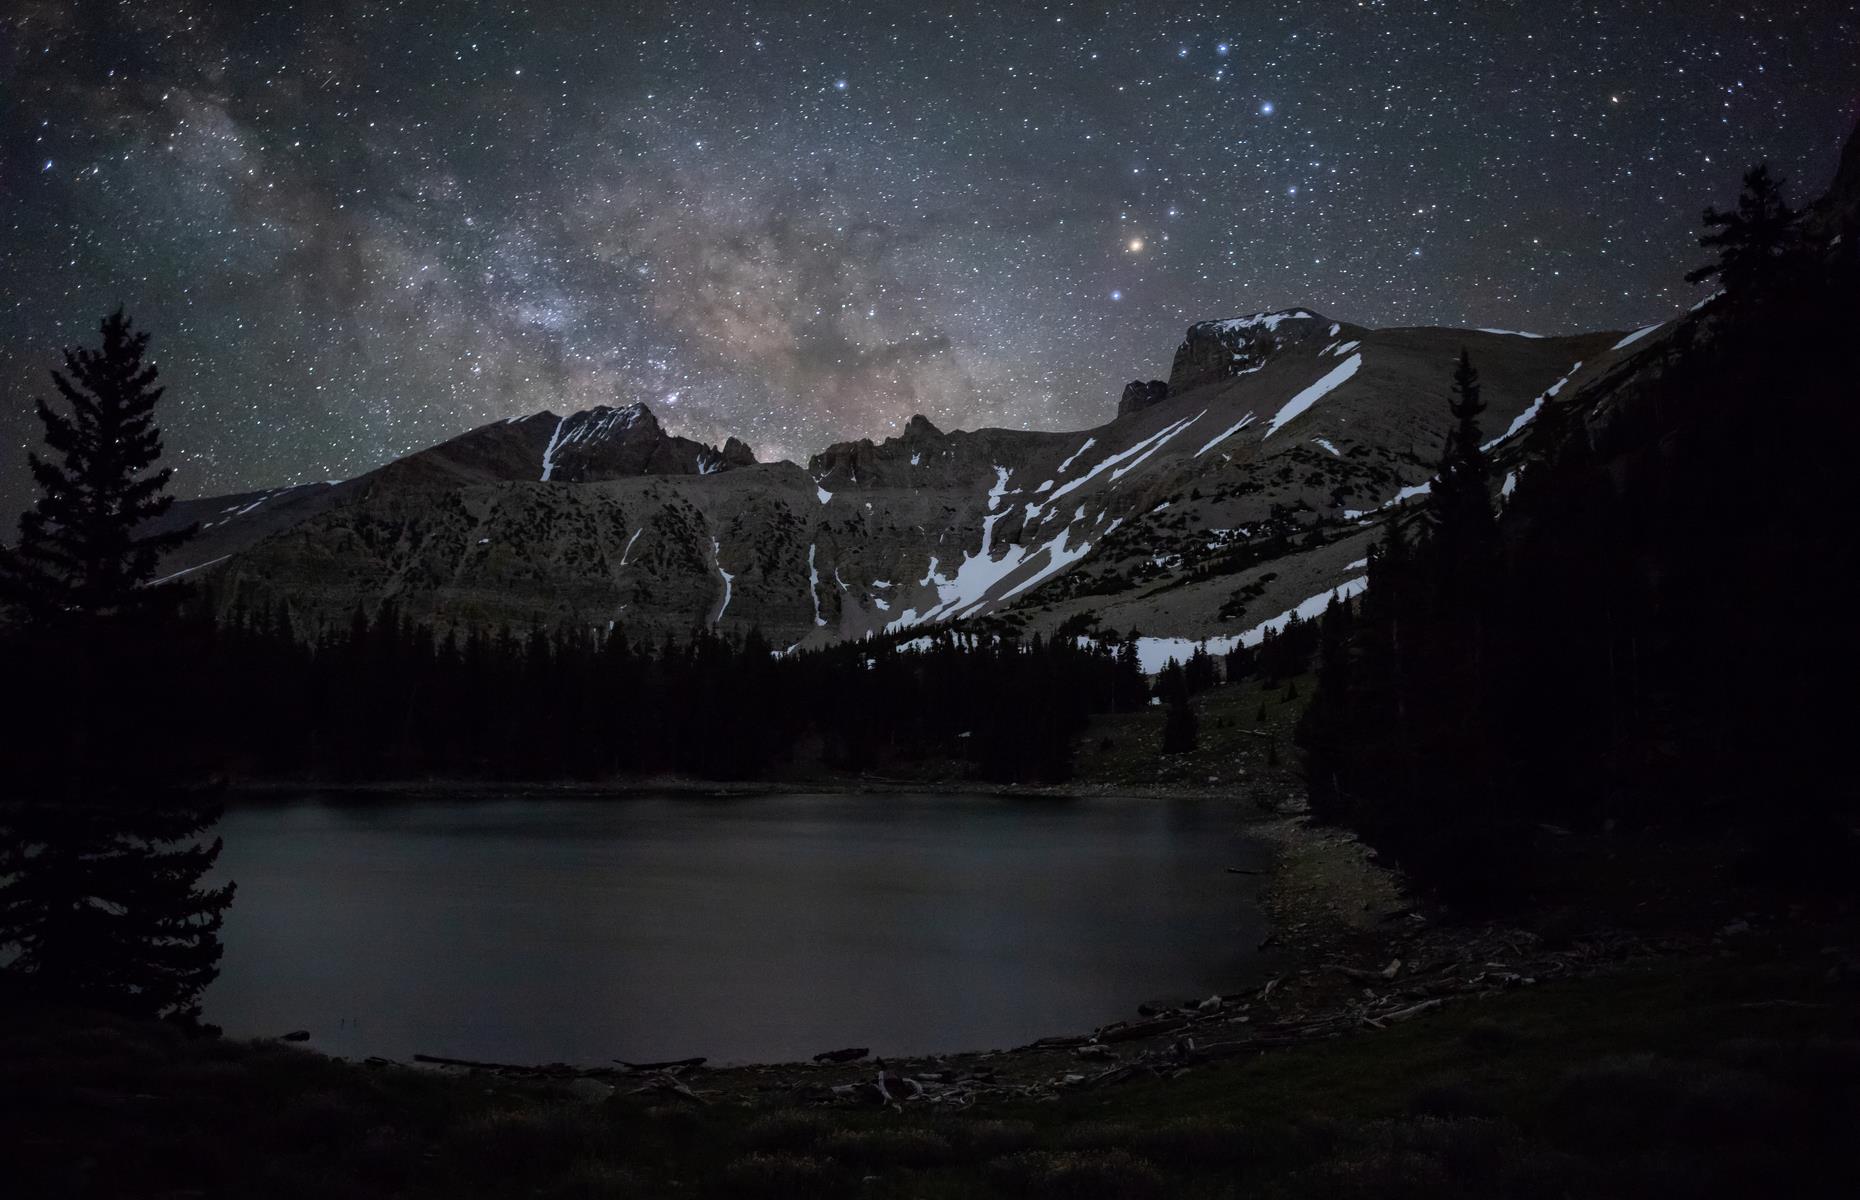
<point x="888" y="1147"/>
<point x="788" y="1130"/>
<point x="1428" y="1159"/>
<point x="1078" y="1175"/>
<point x="590" y="1179"/>
<point x="1097" y="1135"/>
<point x="781" y="1176"/>
<point x="989" y="1138"/>
<point x="1197" y="1141"/>
<point x="511" y="1144"/>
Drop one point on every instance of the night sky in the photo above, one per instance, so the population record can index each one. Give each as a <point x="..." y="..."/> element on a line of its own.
<point x="360" y="233"/>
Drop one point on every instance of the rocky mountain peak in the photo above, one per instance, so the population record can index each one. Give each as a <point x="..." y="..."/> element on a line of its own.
<point x="1215" y="350"/>
<point x="872" y="461"/>
<point x="736" y="453"/>
<point x="607" y="442"/>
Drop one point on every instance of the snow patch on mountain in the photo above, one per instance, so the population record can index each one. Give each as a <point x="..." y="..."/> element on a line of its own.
<point x="1000" y="489"/>
<point x="1089" y="443"/>
<point x="212" y="562"/>
<point x="1110" y="463"/>
<point x="1267" y="321"/>
<point x="1523" y="419"/>
<point x="555" y="442"/>
<point x="813" y="587"/>
<point x="716" y="558"/>
<point x="1638" y="334"/>
<point x="1311" y="395"/>
<point x="1222" y="436"/>
<point x="1154" y="653"/>
<point x="1159" y="442"/>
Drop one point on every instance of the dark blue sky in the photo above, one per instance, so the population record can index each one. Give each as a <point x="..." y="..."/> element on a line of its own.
<point x="356" y="233"/>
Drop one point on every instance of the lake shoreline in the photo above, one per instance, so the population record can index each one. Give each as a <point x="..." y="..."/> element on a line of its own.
<point x="1317" y="888"/>
<point x="236" y="790"/>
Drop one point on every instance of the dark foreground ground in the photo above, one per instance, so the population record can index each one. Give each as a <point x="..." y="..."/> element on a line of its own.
<point x="1732" y="1072"/>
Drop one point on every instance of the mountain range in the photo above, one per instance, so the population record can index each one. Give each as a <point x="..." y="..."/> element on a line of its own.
<point x="1247" y="484"/>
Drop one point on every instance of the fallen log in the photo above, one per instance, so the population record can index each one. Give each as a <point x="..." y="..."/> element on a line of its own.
<point x="1139" y="1029"/>
<point x="1413" y="1010"/>
<point x="850" y="1054"/>
<point x="1055" y="1043"/>
<point x="438" y="1060"/>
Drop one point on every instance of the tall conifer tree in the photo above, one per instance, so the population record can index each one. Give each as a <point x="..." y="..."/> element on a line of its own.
<point x="1751" y="239"/>
<point x="101" y="867"/>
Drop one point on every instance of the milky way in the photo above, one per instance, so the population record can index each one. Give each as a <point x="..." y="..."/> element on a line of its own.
<point x="358" y="232"/>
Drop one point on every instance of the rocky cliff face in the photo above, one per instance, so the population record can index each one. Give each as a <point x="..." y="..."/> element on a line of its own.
<point x="1139" y="395"/>
<point x="1215" y="350"/>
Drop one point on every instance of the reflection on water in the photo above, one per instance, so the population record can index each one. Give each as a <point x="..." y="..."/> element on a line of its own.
<point x="760" y="929"/>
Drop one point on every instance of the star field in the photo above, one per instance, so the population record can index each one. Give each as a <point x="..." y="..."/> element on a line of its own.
<point x="360" y="231"/>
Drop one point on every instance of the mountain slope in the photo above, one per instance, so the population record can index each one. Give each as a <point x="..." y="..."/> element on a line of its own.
<point x="1246" y="485"/>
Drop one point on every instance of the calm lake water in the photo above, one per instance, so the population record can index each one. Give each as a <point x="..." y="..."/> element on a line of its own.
<point x="758" y="929"/>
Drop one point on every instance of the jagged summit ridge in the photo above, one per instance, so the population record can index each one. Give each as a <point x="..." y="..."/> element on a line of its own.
<point x="609" y="442"/>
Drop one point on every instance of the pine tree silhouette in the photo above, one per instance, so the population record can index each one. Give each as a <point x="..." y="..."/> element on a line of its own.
<point x="82" y="547"/>
<point x="1462" y="494"/>
<point x="100" y="864"/>
<point x="1751" y="240"/>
